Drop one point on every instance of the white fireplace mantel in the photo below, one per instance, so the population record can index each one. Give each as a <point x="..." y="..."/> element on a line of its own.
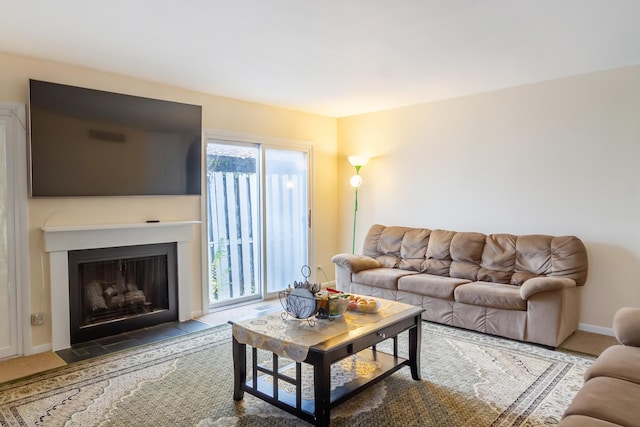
<point x="59" y="240"/>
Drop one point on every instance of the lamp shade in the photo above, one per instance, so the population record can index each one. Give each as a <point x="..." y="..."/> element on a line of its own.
<point x="358" y="160"/>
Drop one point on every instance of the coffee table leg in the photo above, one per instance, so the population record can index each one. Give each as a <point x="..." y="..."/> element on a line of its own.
<point x="239" y="369"/>
<point x="322" y="392"/>
<point x="415" y="340"/>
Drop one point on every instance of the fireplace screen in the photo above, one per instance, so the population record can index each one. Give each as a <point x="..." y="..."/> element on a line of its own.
<point x="123" y="288"/>
<point x="120" y="289"/>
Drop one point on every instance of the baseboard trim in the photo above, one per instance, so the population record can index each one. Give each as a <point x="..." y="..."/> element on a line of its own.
<point x="596" y="329"/>
<point x="42" y="348"/>
<point x="325" y="285"/>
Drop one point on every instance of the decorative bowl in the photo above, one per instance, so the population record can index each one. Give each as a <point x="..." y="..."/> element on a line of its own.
<point x="332" y="308"/>
<point x="299" y="303"/>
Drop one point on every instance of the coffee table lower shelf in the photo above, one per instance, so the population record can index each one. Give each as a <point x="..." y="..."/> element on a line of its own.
<point x="266" y="387"/>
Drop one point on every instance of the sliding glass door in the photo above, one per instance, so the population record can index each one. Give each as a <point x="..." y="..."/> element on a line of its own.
<point x="257" y="219"/>
<point x="233" y="221"/>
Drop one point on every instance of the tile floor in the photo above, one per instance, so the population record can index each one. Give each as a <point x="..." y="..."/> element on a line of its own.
<point x="239" y="312"/>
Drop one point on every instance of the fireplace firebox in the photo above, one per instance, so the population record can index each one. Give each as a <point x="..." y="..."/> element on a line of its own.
<point x="121" y="289"/>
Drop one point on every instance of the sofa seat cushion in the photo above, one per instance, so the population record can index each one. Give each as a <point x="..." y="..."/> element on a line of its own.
<point x="381" y="277"/>
<point x="608" y="399"/>
<point x="430" y="285"/>
<point x="584" y="421"/>
<point x="487" y="294"/>
<point x="618" y="361"/>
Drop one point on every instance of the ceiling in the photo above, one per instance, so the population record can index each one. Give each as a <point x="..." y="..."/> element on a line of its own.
<point x="331" y="57"/>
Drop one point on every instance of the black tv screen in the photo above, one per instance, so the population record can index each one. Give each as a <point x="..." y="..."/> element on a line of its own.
<point x="86" y="142"/>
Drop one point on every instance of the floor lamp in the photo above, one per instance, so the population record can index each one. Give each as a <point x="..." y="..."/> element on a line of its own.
<point x="356" y="181"/>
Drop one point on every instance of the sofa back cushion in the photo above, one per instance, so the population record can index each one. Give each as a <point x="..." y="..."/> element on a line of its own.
<point x="414" y="248"/>
<point x="438" y="255"/>
<point x="370" y="247"/>
<point x="466" y="255"/>
<point x="498" y="258"/>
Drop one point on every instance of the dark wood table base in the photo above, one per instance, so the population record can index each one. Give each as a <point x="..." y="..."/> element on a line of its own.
<point x="321" y="358"/>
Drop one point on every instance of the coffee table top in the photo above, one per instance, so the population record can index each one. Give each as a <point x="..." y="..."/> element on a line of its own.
<point x="289" y="337"/>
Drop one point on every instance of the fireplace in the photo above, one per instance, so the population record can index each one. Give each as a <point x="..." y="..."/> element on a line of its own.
<point x="60" y="242"/>
<point x="121" y="289"/>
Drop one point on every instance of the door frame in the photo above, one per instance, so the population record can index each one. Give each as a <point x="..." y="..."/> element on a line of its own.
<point x="14" y="117"/>
<point x="263" y="141"/>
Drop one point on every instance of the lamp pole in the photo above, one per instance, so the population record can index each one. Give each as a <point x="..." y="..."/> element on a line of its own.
<point x="355" y="208"/>
<point x="356" y="181"/>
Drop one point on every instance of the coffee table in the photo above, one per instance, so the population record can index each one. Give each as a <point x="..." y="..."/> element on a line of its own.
<point x="359" y="335"/>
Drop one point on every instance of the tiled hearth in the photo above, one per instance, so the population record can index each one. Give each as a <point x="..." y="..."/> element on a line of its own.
<point x="127" y="340"/>
<point x="167" y="330"/>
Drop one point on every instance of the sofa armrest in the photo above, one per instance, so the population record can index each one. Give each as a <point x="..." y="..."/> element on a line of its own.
<point x="626" y="326"/>
<point x="355" y="263"/>
<point x="536" y="285"/>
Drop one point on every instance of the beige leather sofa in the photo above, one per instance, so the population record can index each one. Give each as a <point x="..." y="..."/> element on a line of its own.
<point x="610" y="395"/>
<point x="519" y="287"/>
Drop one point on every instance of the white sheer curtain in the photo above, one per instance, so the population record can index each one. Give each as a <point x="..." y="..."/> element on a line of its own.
<point x="287" y="217"/>
<point x="6" y="292"/>
<point x="13" y="230"/>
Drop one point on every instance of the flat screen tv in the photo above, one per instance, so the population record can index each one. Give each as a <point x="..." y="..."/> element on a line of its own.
<point x="86" y="142"/>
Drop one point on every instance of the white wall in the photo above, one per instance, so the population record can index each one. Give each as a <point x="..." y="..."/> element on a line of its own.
<point x="558" y="157"/>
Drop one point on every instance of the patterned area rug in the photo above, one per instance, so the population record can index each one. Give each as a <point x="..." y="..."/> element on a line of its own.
<point x="468" y="379"/>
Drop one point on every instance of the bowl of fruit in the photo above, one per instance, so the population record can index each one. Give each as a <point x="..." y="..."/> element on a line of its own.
<point x="363" y="304"/>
